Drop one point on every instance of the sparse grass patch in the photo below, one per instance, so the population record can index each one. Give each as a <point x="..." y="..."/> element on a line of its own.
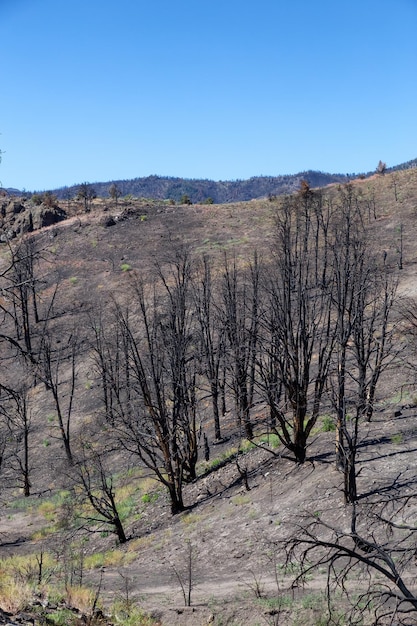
<point x="400" y="397"/>
<point x="126" y="500"/>
<point x="25" y="568"/>
<point x="189" y="519"/>
<point x="147" y="498"/>
<point x="81" y="598"/>
<point x="14" y="596"/>
<point x="328" y="424"/>
<point x="110" y="558"/>
<point x="279" y="602"/>
<point x="397" y="438"/>
<point x="240" y="500"/>
<point x="44" y="532"/>
<point x="224" y="458"/>
<point x="140" y="543"/>
<point x="271" y="440"/>
<point x="48" y="510"/>
<point x="63" y="617"/>
<point x="22" y="504"/>
<point x="129" y="614"/>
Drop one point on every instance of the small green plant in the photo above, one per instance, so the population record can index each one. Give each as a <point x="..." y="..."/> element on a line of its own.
<point x="397" y="438"/>
<point x="328" y="424"/>
<point x="73" y="280"/>
<point x="125" y="267"/>
<point x="149" y="497"/>
<point x="271" y="440"/>
<point x="46" y="443"/>
<point x="128" y="614"/>
<point x="63" y="617"/>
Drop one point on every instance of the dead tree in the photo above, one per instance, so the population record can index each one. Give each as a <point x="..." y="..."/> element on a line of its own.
<point x="17" y="415"/>
<point x="240" y="319"/>
<point x="94" y="478"/>
<point x="351" y="264"/>
<point x="58" y="371"/>
<point x="211" y="338"/>
<point x="20" y="290"/>
<point x="363" y="297"/>
<point x="298" y="325"/>
<point x="154" y="387"/>
<point x="377" y="551"/>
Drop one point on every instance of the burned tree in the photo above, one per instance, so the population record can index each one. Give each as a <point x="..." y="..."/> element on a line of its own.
<point x="211" y="338"/>
<point x="58" y="371"/>
<point x="15" y="431"/>
<point x="154" y="403"/>
<point x="240" y="304"/>
<point x="377" y="550"/>
<point x="298" y="333"/>
<point x="93" y="477"/>
<point x="363" y="297"/>
<point x="19" y="288"/>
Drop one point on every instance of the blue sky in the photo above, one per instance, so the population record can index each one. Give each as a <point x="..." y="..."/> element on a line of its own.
<point x="94" y="90"/>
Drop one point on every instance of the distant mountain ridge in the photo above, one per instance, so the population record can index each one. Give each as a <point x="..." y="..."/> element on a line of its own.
<point x="220" y="192"/>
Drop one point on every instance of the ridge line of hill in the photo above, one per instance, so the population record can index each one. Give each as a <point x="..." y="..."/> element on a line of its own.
<point x="218" y="192"/>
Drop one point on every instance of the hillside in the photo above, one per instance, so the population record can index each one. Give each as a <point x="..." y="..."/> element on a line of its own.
<point x="247" y="498"/>
<point x="219" y="192"/>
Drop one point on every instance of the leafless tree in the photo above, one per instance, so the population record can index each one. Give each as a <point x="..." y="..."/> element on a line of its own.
<point x="16" y="412"/>
<point x="240" y="320"/>
<point x="20" y="285"/>
<point x="58" y="371"/>
<point x="19" y="419"/>
<point x="115" y="192"/>
<point x="211" y="337"/>
<point x="381" y="167"/>
<point x="153" y="387"/>
<point x="377" y="551"/>
<point x="363" y="297"/>
<point x="91" y="473"/>
<point x="87" y="194"/>
<point x="298" y="332"/>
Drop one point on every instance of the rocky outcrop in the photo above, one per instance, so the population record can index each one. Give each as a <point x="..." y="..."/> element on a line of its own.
<point x="19" y="216"/>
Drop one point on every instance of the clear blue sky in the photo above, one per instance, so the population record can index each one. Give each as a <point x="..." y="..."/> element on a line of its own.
<point x="94" y="90"/>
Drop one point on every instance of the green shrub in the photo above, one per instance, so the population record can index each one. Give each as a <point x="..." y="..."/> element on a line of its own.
<point x="328" y="424"/>
<point x="149" y="497"/>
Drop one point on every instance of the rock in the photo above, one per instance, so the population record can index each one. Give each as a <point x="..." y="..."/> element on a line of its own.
<point x="108" y="221"/>
<point x="19" y="218"/>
